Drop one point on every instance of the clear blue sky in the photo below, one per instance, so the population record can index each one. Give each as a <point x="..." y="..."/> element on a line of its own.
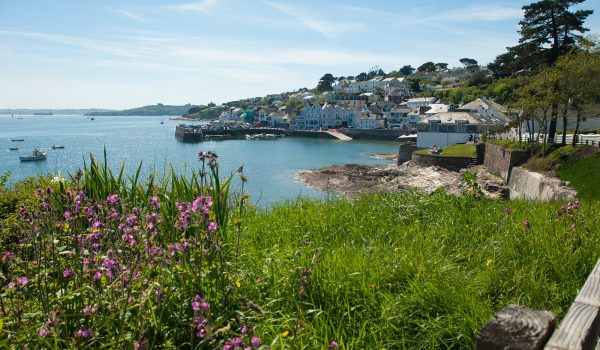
<point x="122" y="54"/>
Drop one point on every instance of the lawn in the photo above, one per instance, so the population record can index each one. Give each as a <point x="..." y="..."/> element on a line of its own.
<point x="458" y="150"/>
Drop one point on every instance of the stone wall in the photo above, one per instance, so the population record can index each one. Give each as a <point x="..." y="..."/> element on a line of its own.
<point x="405" y="152"/>
<point x="500" y="161"/>
<point x="449" y="163"/>
<point x="525" y="184"/>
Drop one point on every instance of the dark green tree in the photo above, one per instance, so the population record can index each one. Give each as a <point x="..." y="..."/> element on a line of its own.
<point x="427" y="67"/>
<point x="407" y="70"/>
<point x="362" y="77"/>
<point x="441" y="66"/>
<point x="469" y="63"/>
<point x="325" y="83"/>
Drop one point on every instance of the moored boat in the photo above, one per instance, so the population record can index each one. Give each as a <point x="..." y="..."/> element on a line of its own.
<point x="15" y="140"/>
<point x="58" y="147"/>
<point x="15" y="148"/>
<point x="35" y="155"/>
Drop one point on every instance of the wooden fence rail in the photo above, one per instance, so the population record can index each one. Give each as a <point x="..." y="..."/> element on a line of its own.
<point x="516" y="327"/>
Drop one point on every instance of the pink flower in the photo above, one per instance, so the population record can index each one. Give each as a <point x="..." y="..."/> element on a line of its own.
<point x="11" y="285"/>
<point x="507" y="211"/>
<point x="67" y="214"/>
<point x="7" y="255"/>
<point x="212" y="226"/>
<point x="84" y="333"/>
<point x="255" y="342"/>
<point x="67" y="273"/>
<point x="22" y="281"/>
<point x="526" y="224"/>
<point x="333" y="345"/>
<point x="44" y="332"/>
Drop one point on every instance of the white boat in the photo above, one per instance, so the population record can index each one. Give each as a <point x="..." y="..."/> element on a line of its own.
<point x="263" y="136"/>
<point x="36" y="155"/>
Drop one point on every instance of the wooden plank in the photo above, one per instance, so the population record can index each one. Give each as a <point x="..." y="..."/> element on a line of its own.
<point x="581" y="325"/>
<point x="516" y="327"/>
<point x="578" y="330"/>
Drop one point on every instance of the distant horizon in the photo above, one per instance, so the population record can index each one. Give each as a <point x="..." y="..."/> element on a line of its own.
<point x="111" y="55"/>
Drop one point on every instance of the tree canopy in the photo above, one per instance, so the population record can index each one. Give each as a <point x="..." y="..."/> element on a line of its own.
<point x="427" y="67"/>
<point x="325" y="83"/>
<point x="407" y="70"/>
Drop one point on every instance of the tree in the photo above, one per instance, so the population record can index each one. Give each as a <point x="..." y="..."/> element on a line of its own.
<point x="407" y="70"/>
<point x="362" y="77"/>
<point x="468" y="62"/>
<point x="427" y="67"/>
<point x="325" y="83"/>
<point x="478" y="78"/>
<point x="549" y="30"/>
<point x="441" y="66"/>
<point x="578" y="84"/>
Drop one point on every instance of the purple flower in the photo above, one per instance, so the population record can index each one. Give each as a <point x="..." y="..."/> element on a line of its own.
<point x="67" y="214"/>
<point x="526" y="224"/>
<point x="507" y="211"/>
<point x="255" y="342"/>
<point x="212" y="226"/>
<point x="67" y="273"/>
<point x="306" y="272"/>
<point x="237" y="342"/>
<point x="333" y="345"/>
<point x="7" y="255"/>
<point x="577" y="205"/>
<point x="113" y="199"/>
<point x="200" y="303"/>
<point x="22" y="281"/>
<point x="44" y="332"/>
<point x="11" y="285"/>
<point x="83" y="333"/>
<point x="97" y="276"/>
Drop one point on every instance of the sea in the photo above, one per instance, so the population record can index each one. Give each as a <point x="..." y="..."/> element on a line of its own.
<point x="271" y="166"/>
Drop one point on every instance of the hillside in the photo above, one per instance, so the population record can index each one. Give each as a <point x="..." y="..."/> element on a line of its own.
<point x="150" y="110"/>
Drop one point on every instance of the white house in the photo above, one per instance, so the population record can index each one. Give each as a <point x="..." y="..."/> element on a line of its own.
<point x="449" y="128"/>
<point x="420" y="102"/>
<point x="328" y="116"/>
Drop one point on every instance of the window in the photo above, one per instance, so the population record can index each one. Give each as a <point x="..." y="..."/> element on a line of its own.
<point x="461" y="126"/>
<point x="434" y="126"/>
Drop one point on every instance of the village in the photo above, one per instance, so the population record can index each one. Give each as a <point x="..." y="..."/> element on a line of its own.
<point x="378" y="104"/>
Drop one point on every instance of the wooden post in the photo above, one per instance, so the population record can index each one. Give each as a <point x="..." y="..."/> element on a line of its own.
<point x="580" y="327"/>
<point x="516" y="327"/>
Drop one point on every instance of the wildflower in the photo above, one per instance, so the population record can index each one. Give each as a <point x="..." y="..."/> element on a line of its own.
<point x="44" y="332"/>
<point x="212" y="226"/>
<point x="573" y="227"/>
<point x="90" y="310"/>
<point x="11" y="285"/>
<point x="558" y="214"/>
<point x="154" y="202"/>
<point x="97" y="275"/>
<point x="526" y="224"/>
<point x="67" y="273"/>
<point x="7" y="255"/>
<point x="83" y="333"/>
<point x="306" y="272"/>
<point x="141" y="344"/>
<point x="577" y="205"/>
<point x="255" y="342"/>
<point x="67" y="214"/>
<point x="333" y="345"/>
<point x="489" y="262"/>
<point x="22" y="281"/>
<point x="200" y="303"/>
<point x="507" y="211"/>
<point x="113" y="199"/>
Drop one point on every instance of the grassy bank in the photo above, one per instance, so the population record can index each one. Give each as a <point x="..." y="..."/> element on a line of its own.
<point x="96" y="261"/>
<point x="458" y="150"/>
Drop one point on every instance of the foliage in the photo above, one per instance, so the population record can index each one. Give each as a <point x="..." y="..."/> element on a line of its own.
<point x="407" y="70"/>
<point x="325" y="83"/>
<point x="468" y="62"/>
<point x="473" y="189"/>
<point x="515" y="145"/>
<point x="383" y="271"/>
<point x="427" y="67"/>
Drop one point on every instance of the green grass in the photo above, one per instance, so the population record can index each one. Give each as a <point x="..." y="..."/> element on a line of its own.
<point x="459" y="150"/>
<point x="583" y="176"/>
<point x="386" y="271"/>
<point x="516" y="145"/>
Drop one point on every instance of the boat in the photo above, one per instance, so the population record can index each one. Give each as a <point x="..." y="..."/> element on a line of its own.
<point x="162" y="121"/>
<point x="58" y="147"/>
<point x="263" y="136"/>
<point x="15" y="140"/>
<point x="92" y="118"/>
<point x="34" y="156"/>
<point x="15" y="148"/>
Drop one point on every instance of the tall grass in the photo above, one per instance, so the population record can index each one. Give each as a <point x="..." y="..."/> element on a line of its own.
<point x="104" y="260"/>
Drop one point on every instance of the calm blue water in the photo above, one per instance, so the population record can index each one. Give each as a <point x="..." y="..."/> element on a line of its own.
<point x="270" y="165"/>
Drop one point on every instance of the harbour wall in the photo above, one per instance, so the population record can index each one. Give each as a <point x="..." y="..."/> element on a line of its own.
<point x="446" y="162"/>
<point x="373" y="134"/>
<point x="525" y="184"/>
<point x="501" y="161"/>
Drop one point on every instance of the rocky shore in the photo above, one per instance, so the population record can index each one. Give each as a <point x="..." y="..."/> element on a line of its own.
<point x="353" y="179"/>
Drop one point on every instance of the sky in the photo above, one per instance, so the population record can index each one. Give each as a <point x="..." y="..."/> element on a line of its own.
<point x="124" y="54"/>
